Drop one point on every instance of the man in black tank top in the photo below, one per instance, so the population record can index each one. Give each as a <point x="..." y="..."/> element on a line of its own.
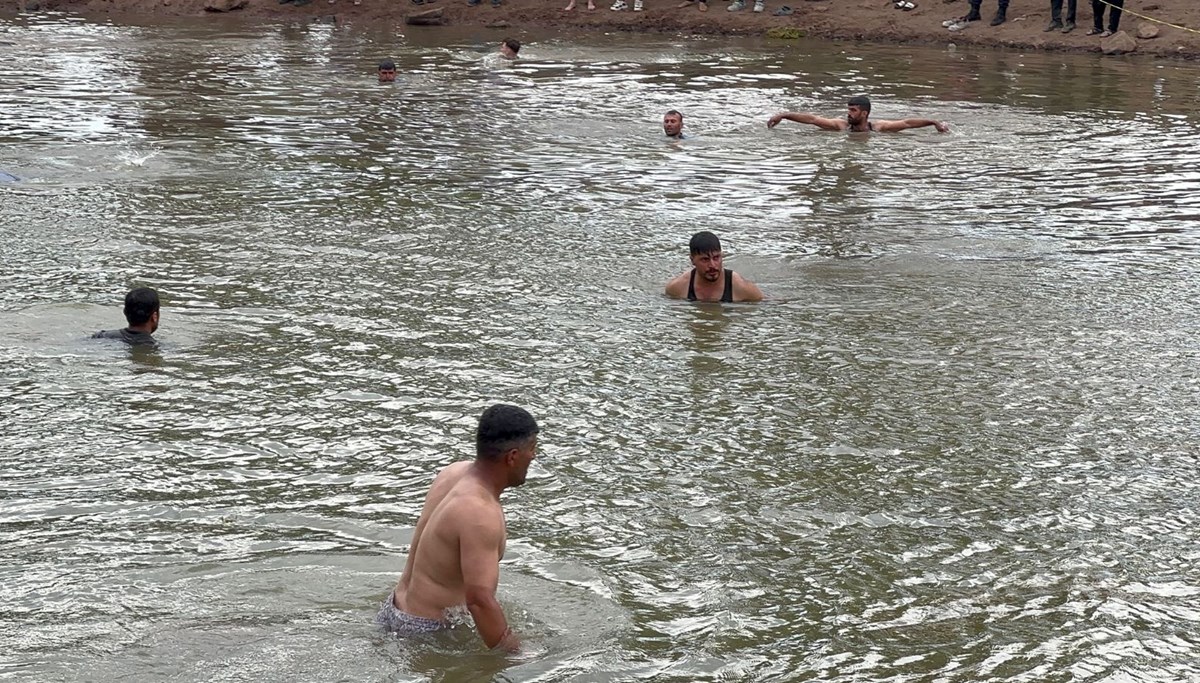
<point x="709" y="280"/>
<point x="726" y="293"/>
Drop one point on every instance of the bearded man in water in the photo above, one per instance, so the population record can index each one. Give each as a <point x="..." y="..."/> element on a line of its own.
<point x="858" y="120"/>
<point x="709" y="280"/>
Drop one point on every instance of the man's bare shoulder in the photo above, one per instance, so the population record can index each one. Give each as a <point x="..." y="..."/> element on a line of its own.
<point x="677" y="287"/>
<point x="453" y="472"/>
<point x="470" y="504"/>
<point x="446" y="479"/>
<point x="745" y="290"/>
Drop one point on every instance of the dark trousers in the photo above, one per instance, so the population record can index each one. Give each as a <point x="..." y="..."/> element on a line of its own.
<point x="1001" y="5"/>
<point x="1114" y="14"/>
<point x="1056" y="10"/>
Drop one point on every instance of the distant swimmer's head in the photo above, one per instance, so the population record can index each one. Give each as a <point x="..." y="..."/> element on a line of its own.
<point x="387" y="71"/>
<point x="673" y="124"/>
<point x="858" y="109"/>
<point x="509" y="48"/>
<point x="705" y="250"/>
<point x="141" y="309"/>
<point x="507" y="437"/>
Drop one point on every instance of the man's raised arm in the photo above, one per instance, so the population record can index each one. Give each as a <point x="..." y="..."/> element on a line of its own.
<point x="803" y="117"/>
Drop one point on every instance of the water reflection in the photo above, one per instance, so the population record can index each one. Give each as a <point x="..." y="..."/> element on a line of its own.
<point x="955" y="444"/>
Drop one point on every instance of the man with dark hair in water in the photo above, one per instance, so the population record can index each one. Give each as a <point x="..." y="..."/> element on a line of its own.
<point x="454" y="556"/>
<point x="387" y="71"/>
<point x="509" y="48"/>
<point x="716" y="283"/>
<point x="858" y="114"/>
<point x="141" y="312"/>
<point x="673" y="125"/>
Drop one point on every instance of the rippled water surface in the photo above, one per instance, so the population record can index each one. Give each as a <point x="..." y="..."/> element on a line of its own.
<point x="958" y="443"/>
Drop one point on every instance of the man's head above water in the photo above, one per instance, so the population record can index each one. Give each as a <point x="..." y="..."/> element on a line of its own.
<point x="387" y="71"/>
<point x="705" y="250"/>
<point x="509" y="48"/>
<point x="673" y="124"/>
<point x="141" y="309"/>
<point x="858" y="109"/>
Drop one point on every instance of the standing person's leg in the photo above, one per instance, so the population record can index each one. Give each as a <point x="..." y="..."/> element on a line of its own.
<point x="964" y="21"/>
<point x="1055" y="15"/>
<point x="1097" y="18"/>
<point x="1069" y="25"/>
<point x="1001" y="13"/>
<point x="1114" y="15"/>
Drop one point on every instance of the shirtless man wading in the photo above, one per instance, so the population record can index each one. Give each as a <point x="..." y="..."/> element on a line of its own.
<point x="454" y="558"/>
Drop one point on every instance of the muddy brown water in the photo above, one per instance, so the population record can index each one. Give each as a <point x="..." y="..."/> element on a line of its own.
<point x="958" y="443"/>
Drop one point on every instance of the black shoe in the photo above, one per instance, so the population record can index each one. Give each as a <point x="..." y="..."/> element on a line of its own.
<point x="1069" y="26"/>
<point x="1054" y="25"/>
<point x="1000" y="18"/>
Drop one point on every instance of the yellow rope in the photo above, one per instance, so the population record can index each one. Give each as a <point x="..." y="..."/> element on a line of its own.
<point x="1143" y="16"/>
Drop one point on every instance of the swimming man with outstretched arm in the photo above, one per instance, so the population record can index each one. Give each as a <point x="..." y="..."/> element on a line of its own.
<point x="858" y="120"/>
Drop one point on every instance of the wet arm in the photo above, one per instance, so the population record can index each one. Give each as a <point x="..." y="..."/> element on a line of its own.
<point x="479" y="548"/>
<point x="677" y="288"/>
<point x="803" y="117"/>
<point x="747" y="290"/>
<point x="905" y="124"/>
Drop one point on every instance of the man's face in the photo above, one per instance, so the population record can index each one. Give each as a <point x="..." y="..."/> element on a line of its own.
<point x="856" y="114"/>
<point x="672" y="125"/>
<point x="387" y="75"/>
<point x="522" y="459"/>
<point x="708" y="265"/>
<point x="506" y="52"/>
<point x="154" y="322"/>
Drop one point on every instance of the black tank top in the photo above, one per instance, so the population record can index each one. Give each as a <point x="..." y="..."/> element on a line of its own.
<point x="726" y="296"/>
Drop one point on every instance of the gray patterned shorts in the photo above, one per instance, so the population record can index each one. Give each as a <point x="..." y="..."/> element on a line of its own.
<point x="403" y="623"/>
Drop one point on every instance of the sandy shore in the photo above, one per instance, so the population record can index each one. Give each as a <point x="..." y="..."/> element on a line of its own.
<point x="862" y="20"/>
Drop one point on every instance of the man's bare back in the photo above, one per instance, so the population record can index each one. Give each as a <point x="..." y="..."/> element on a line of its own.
<point x="432" y="582"/>
<point x="454" y="557"/>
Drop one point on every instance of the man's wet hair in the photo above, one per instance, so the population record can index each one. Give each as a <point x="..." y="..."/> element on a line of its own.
<point x="704" y="243"/>
<point x="140" y="304"/>
<point x="862" y="102"/>
<point x="502" y="428"/>
<point x="387" y="65"/>
<point x="513" y="44"/>
<point x="674" y="112"/>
